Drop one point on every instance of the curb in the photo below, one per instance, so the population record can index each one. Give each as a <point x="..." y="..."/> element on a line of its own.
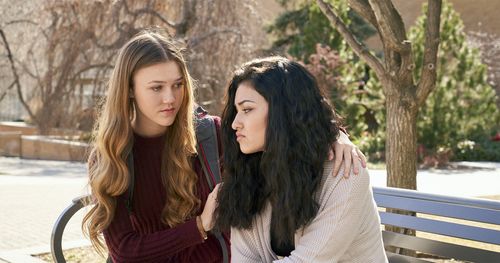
<point x="477" y="165"/>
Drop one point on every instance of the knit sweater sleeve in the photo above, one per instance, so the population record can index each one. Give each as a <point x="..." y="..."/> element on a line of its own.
<point x="127" y="245"/>
<point x="243" y="247"/>
<point x="328" y="237"/>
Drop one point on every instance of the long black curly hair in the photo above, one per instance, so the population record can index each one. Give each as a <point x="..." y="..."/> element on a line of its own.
<point x="300" y="129"/>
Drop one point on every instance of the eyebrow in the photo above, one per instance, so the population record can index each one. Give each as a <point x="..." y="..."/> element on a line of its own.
<point x="161" y="81"/>
<point x="243" y="101"/>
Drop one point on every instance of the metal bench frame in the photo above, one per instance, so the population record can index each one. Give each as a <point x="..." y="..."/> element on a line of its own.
<point x="61" y="222"/>
<point x="471" y="209"/>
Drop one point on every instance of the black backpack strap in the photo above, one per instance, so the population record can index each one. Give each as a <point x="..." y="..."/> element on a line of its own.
<point x="208" y="150"/>
<point x="208" y="154"/>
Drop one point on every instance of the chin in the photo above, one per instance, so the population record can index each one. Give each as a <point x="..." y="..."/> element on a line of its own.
<point x="167" y="123"/>
<point x="249" y="150"/>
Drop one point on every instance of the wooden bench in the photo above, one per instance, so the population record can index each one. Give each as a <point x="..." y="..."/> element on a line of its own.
<point x="432" y="210"/>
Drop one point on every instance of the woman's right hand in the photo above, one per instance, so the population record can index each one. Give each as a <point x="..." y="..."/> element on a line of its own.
<point x="207" y="218"/>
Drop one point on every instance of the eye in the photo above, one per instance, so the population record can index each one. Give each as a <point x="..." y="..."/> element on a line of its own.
<point x="246" y="110"/>
<point x="179" y="85"/>
<point x="156" y="88"/>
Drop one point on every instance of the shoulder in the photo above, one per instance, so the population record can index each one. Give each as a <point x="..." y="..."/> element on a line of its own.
<point x="338" y="186"/>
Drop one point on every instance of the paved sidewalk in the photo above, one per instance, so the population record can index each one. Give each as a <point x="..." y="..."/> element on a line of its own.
<point x="474" y="179"/>
<point x="33" y="193"/>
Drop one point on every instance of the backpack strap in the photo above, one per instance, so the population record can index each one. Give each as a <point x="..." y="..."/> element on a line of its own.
<point x="208" y="150"/>
<point x="208" y="153"/>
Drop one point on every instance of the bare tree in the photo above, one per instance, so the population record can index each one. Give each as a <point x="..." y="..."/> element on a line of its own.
<point x="76" y="42"/>
<point x="15" y="82"/>
<point x="395" y="70"/>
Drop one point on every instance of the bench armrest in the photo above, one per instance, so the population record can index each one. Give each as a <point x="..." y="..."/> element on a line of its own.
<point x="58" y="230"/>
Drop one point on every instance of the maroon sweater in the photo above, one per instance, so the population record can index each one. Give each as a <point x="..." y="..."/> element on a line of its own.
<point x="142" y="237"/>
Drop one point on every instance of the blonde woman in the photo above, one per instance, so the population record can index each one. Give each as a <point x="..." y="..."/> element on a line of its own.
<point x="146" y="130"/>
<point x="149" y="113"/>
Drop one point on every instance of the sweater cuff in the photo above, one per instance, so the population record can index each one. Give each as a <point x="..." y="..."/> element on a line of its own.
<point x="194" y="232"/>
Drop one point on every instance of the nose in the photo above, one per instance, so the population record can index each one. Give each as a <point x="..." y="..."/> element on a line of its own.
<point x="236" y="123"/>
<point x="168" y="96"/>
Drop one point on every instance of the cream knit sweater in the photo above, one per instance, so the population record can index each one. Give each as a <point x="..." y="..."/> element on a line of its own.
<point x="346" y="228"/>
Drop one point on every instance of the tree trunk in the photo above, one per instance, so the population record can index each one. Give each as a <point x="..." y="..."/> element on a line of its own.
<point x="401" y="145"/>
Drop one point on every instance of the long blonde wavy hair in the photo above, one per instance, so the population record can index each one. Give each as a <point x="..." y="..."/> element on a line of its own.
<point x="113" y="140"/>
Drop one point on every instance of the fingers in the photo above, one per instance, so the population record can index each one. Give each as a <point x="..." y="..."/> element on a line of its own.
<point x="330" y="155"/>
<point x="214" y="194"/>
<point x="362" y="157"/>
<point x="209" y="209"/>
<point x="356" y="161"/>
<point x="347" y="163"/>
<point x="216" y="188"/>
<point x="338" y="161"/>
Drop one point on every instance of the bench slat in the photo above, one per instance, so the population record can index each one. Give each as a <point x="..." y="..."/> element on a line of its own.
<point x="440" y="227"/>
<point x="476" y="202"/>
<point x="396" y="258"/>
<point x="439" y="248"/>
<point x="439" y="208"/>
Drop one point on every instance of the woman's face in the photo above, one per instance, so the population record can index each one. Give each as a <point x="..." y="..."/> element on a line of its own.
<point x="158" y="94"/>
<point x="250" y="122"/>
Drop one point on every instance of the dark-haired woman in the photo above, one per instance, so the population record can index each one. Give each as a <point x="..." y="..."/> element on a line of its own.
<point x="278" y="198"/>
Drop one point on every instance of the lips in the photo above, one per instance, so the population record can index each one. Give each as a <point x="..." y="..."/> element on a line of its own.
<point x="239" y="136"/>
<point x="168" y="112"/>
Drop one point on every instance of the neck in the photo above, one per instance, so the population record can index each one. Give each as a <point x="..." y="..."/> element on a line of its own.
<point x="145" y="130"/>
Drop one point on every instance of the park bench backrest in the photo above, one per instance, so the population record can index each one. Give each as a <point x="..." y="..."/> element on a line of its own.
<point x="476" y="210"/>
<point x="439" y="207"/>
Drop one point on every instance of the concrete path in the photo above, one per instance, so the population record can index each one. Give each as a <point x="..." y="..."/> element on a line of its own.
<point x="33" y="193"/>
<point x="472" y="180"/>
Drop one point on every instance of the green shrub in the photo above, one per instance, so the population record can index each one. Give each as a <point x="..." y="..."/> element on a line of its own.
<point x="485" y="150"/>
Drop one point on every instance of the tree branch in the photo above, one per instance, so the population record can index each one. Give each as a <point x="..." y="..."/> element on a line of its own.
<point x="27" y="21"/>
<point x="428" y="75"/>
<point x="6" y="90"/>
<point x="16" y="76"/>
<point x="362" y="7"/>
<point x="193" y="42"/>
<point x="390" y="25"/>
<point x="358" y="48"/>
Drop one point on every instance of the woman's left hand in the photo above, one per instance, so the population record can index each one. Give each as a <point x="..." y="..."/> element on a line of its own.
<point x="344" y="149"/>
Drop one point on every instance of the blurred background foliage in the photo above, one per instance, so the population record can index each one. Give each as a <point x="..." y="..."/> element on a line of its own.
<point x="460" y="117"/>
